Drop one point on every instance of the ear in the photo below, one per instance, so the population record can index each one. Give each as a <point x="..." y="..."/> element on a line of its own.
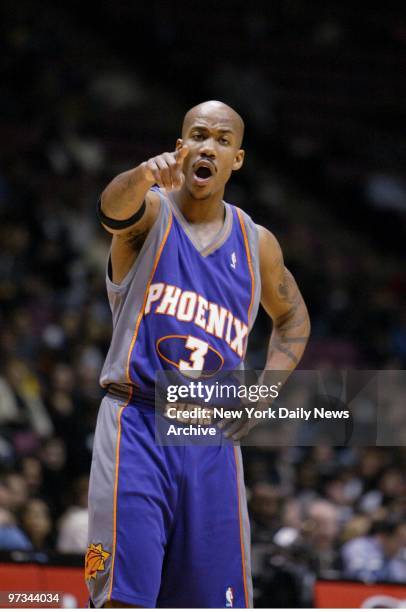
<point x="179" y="144"/>
<point x="238" y="159"/>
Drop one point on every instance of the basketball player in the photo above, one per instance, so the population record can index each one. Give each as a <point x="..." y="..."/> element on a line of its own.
<point x="186" y="273"/>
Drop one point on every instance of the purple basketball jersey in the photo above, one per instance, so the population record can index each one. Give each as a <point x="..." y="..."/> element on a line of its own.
<point x="168" y="525"/>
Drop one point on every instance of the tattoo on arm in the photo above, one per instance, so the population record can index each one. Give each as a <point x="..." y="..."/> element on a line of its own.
<point x="288" y="291"/>
<point x="278" y="347"/>
<point x="292" y="319"/>
<point x="289" y="294"/>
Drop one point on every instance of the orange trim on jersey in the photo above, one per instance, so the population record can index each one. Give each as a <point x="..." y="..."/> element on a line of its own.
<point x="134" y="338"/>
<point x="141" y="313"/>
<point x="241" y="533"/>
<point x="249" y="259"/>
<point x="113" y="551"/>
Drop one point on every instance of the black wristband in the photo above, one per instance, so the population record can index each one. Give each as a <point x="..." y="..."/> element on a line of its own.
<point x="122" y="223"/>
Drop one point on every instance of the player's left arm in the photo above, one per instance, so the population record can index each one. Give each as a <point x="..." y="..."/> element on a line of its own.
<point x="283" y="302"/>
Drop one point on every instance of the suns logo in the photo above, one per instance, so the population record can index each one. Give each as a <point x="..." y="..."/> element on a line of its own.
<point x="94" y="561"/>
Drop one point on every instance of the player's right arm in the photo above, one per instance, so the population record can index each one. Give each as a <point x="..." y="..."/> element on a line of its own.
<point x="128" y="208"/>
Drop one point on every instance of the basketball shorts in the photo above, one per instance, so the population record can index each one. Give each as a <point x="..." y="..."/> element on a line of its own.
<point x="168" y="525"/>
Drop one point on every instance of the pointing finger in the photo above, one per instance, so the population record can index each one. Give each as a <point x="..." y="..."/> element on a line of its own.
<point x="181" y="155"/>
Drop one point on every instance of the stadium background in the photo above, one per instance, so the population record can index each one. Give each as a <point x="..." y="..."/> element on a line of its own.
<point x="86" y="95"/>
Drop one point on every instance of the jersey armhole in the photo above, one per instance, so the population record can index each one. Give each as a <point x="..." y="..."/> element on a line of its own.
<point x="252" y="235"/>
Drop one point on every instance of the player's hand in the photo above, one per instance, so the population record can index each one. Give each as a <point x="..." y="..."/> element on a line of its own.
<point x="166" y="169"/>
<point x="236" y="428"/>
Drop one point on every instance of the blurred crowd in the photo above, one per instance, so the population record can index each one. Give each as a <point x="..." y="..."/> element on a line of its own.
<point x="66" y="130"/>
<point x="331" y="513"/>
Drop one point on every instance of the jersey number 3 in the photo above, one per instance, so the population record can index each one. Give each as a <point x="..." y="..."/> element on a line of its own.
<point x="199" y="359"/>
<point x="199" y="350"/>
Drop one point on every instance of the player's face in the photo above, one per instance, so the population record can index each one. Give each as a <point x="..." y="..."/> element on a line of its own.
<point x="214" y="153"/>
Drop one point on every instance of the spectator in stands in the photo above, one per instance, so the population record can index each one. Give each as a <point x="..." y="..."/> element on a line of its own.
<point x="321" y="529"/>
<point x="378" y="557"/>
<point x="72" y="533"/>
<point x="11" y="536"/>
<point x="55" y="473"/>
<point x="31" y="470"/>
<point x="265" y="507"/>
<point x="37" y="524"/>
<point x="291" y="514"/>
<point x="358" y="526"/>
<point x="29" y="410"/>
<point x="18" y="491"/>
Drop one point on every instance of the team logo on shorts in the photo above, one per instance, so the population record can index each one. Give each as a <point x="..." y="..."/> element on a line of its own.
<point x="229" y="597"/>
<point x="94" y="562"/>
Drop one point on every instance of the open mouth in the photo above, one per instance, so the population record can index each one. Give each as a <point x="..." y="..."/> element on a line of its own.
<point x="203" y="170"/>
